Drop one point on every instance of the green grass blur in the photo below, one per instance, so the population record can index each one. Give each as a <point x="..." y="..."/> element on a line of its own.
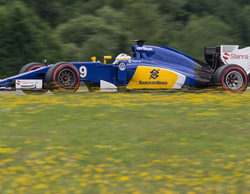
<point x="167" y="142"/>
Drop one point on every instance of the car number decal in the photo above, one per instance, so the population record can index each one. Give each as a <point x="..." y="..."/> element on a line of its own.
<point x="83" y="71"/>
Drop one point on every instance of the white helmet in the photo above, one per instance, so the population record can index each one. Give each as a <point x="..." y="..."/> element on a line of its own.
<point x="122" y="58"/>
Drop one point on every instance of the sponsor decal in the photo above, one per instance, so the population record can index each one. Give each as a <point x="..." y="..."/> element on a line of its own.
<point x="153" y="83"/>
<point x="228" y="56"/>
<point x="154" y="74"/>
<point x="144" y="49"/>
<point x="152" y="78"/>
<point x="29" y="84"/>
<point x="235" y="56"/>
<point x="136" y="61"/>
<point x="18" y="82"/>
<point x="122" y="66"/>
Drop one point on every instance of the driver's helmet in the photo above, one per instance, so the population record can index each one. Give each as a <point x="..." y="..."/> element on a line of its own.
<point x="122" y="58"/>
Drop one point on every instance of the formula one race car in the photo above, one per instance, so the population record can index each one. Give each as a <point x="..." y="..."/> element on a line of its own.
<point x="150" y="67"/>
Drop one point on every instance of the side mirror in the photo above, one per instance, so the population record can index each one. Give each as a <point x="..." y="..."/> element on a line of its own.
<point x="93" y="59"/>
<point x="107" y="58"/>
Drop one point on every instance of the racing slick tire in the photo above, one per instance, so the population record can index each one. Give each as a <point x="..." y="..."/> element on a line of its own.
<point x="30" y="67"/>
<point x="63" y="78"/>
<point x="248" y="77"/>
<point x="233" y="78"/>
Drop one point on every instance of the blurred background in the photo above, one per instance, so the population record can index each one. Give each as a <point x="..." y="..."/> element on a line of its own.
<point x="68" y="30"/>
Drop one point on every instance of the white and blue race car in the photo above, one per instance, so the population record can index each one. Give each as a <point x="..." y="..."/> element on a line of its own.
<point x="150" y="67"/>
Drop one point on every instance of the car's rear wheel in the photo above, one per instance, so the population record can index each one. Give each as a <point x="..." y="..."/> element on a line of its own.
<point x="234" y="79"/>
<point x="63" y="78"/>
<point x="30" y="67"/>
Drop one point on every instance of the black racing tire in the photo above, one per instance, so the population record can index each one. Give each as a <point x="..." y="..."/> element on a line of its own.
<point x="248" y="77"/>
<point x="233" y="78"/>
<point x="63" y="77"/>
<point x="30" y="67"/>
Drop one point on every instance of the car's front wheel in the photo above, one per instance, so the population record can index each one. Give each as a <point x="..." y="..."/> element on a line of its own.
<point x="63" y="78"/>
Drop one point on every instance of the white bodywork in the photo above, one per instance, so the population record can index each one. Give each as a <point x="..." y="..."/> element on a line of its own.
<point x="231" y="54"/>
<point x="180" y="81"/>
<point x="107" y="86"/>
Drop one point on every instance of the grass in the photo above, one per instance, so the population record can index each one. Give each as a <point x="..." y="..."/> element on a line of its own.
<point x="125" y="143"/>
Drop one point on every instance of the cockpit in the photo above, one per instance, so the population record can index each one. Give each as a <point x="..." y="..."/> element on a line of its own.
<point x="122" y="58"/>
